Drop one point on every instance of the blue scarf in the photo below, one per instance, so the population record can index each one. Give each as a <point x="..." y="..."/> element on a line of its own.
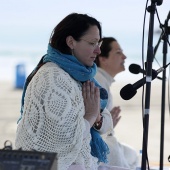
<point x="79" y="72"/>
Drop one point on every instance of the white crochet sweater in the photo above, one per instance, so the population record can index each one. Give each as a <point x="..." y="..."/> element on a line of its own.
<point x="53" y="119"/>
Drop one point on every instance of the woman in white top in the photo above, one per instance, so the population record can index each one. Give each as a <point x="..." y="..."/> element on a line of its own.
<point x="63" y="107"/>
<point x="110" y="62"/>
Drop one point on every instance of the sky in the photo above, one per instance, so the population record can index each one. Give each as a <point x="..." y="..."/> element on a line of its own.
<point x="26" y="25"/>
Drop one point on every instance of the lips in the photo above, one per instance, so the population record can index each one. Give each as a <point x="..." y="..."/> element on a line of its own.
<point x="93" y="58"/>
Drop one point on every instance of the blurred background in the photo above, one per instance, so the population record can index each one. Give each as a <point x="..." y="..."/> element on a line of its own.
<point x="25" y="28"/>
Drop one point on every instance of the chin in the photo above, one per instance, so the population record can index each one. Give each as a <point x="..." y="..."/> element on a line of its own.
<point x="89" y="64"/>
<point x="123" y="69"/>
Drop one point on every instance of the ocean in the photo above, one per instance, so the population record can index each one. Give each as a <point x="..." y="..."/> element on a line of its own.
<point x="24" y="36"/>
<point x="29" y="55"/>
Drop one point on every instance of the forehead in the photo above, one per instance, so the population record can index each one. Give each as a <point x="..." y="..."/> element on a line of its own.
<point x="93" y="33"/>
<point x="115" y="46"/>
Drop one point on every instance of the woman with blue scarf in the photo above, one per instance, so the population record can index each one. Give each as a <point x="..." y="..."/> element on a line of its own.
<point x="63" y="106"/>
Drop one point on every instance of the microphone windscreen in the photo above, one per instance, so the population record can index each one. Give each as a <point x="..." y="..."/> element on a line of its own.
<point x="127" y="92"/>
<point x="159" y="2"/>
<point x="134" y="68"/>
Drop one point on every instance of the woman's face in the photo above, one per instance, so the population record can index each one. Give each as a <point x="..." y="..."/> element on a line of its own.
<point x="116" y="59"/>
<point x="88" y="47"/>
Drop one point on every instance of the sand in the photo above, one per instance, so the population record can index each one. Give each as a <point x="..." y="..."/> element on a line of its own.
<point x="129" y="130"/>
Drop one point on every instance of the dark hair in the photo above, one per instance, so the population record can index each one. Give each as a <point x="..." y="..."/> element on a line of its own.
<point x="105" y="49"/>
<point x="74" y="25"/>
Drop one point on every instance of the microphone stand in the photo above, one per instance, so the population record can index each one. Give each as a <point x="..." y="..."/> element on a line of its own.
<point x="164" y="37"/>
<point x="157" y="45"/>
<point x="165" y="45"/>
<point x="150" y="53"/>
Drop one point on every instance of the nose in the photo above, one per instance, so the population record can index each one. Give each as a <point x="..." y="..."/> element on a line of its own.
<point x="124" y="56"/>
<point x="97" y="50"/>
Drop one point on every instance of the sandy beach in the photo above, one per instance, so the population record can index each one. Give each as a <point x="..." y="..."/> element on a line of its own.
<point x="129" y="130"/>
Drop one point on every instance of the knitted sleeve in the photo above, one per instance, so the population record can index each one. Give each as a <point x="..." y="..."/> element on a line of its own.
<point x="87" y="131"/>
<point x="53" y="118"/>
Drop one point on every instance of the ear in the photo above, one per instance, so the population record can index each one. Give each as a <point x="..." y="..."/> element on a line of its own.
<point x="103" y="62"/>
<point x="102" y="59"/>
<point x="70" y="42"/>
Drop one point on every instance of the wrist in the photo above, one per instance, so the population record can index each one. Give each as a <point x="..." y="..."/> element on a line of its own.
<point x="90" y="118"/>
<point x="98" y="125"/>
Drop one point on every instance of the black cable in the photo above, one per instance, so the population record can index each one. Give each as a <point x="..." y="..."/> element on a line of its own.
<point x="145" y="150"/>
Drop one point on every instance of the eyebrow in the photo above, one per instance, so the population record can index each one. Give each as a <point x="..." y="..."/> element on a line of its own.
<point x="100" y="40"/>
<point x="95" y="39"/>
<point x="119" y="50"/>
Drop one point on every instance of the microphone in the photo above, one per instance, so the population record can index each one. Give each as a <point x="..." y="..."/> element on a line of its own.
<point x="136" y="69"/>
<point x="128" y="91"/>
<point x="158" y="2"/>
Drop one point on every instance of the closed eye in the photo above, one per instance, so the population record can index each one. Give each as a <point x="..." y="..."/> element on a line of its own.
<point x="93" y="43"/>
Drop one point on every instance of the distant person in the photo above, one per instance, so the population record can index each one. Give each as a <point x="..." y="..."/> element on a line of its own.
<point x="63" y="108"/>
<point x="110" y="62"/>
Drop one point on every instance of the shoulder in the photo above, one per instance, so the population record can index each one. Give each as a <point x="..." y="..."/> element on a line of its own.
<point x="99" y="77"/>
<point x="53" y="72"/>
<point x="51" y="69"/>
<point x="51" y="75"/>
<point x="102" y="80"/>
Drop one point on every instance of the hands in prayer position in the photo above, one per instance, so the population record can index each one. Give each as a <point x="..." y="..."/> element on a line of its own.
<point x="91" y="96"/>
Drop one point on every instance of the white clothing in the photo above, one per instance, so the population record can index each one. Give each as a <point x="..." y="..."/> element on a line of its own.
<point x="120" y="154"/>
<point x="105" y="80"/>
<point x="53" y="121"/>
<point x="53" y="118"/>
<point x="101" y="167"/>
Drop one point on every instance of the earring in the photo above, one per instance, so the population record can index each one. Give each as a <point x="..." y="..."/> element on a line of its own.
<point x="72" y="52"/>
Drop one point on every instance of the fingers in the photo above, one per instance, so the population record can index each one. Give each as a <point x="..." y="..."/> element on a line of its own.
<point x="116" y="121"/>
<point x="97" y="94"/>
<point x="86" y="90"/>
<point x="91" y="95"/>
<point x="115" y="112"/>
<point x="90" y="90"/>
<point x="116" y="117"/>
